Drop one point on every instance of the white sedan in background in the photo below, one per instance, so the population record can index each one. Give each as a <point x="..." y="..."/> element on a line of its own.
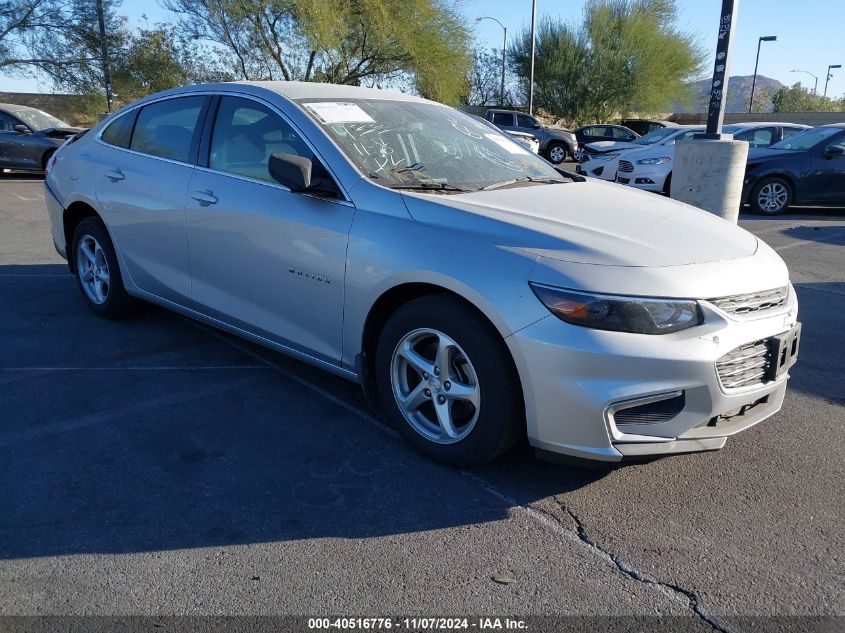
<point x="651" y="168"/>
<point x="601" y="159"/>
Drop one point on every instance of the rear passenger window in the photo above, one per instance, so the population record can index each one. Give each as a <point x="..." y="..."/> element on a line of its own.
<point x="166" y="128"/>
<point x="119" y="131"/>
<point x="502" y="118"/>
<point x="246" y="133"/>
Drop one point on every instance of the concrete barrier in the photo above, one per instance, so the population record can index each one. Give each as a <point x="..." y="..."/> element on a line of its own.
<point x="708" y="174"/>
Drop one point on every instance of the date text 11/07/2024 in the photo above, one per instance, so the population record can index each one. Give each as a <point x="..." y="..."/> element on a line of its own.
<point x="417" y="624"/>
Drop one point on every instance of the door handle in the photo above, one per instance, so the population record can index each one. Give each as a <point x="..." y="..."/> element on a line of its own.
<point x="205" y="198"/>
<point x="114" y="175"/>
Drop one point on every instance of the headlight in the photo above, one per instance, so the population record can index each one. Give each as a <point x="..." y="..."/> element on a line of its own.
<point x="654" y="161"/>
<point x="639" y="315"/>
<point x="606" y="156"/>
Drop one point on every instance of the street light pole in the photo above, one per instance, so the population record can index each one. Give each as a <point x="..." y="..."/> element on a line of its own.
<point x="504" y="52"/>
<point x="829" y="75"/>
<point x="765" y="38"/>
<point x="807" y="72"/>
<point x="104" y="52"/>
<point x="533" y="45"/>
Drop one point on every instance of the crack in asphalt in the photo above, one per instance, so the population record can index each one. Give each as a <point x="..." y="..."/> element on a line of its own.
<point x="676" y="592"/>
<point x="578" y="536"/>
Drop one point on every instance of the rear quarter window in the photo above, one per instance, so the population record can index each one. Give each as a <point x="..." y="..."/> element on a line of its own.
<point x="166" y="128"/>
<point x="119" y="131"/>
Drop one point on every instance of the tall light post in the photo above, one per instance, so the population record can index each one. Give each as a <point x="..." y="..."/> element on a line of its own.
<point x="807" y="72"/>
<point x="533" y="45"/>
<point x="829" y="75"/>
<point x="765" y="38"/>
<point x="104" y="52"/>
<point x="504" y="52"/>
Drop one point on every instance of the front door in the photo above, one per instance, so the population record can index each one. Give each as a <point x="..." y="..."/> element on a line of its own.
<point x="264" y="258"/>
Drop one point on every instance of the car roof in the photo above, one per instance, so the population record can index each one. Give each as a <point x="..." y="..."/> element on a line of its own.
<point x="314" y="90"/>
<point x="12" y="107"/>
<point x="753" y="124"/>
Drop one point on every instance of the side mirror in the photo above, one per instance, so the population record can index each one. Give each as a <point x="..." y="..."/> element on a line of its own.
<point x="536" y="126"/>
<point x="21" y="129"/>
<point x="834" y="151"/>
<point x="293" y="171"/>
<point x="301" y="175"/>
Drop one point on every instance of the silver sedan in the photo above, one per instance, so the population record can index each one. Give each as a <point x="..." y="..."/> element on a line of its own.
<point x="477" y="293"/>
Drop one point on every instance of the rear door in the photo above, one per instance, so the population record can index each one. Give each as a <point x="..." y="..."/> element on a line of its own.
<point x="264" y="258"/>
<point x="141" y="190"/>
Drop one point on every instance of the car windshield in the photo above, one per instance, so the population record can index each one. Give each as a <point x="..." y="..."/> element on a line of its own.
<point x="38" y="120"/>
<point x="807" y="139"/>
<point x="657" y="135"/>
<point x="406" y="144"/>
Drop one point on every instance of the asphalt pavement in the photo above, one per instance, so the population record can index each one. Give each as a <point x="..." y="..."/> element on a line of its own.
<point x="157" y="466"/>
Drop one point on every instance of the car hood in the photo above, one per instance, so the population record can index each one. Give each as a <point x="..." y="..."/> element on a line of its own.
<point x="60" y="132"/>
<point x="589" y="222"/>
<point x="762" y="153"/>
<point x="609" y="146"/>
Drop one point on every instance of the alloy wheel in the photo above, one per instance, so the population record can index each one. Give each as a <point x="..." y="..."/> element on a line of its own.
<point x="772" y="197"/>
<point x="435" y="386"/>
<point x="93" y="269"/>
<point x="557" y="154"/>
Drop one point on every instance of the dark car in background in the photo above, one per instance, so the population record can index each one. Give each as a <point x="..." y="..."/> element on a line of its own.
<point x="644" y="126"/>
<point x="28" y="137"/>
<point x="806" y="168"/>
<point x="556" y="143"/>
<point x="594" y="133"/>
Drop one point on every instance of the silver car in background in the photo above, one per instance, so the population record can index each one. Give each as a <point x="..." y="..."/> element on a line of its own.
<point x="477" y="293"/>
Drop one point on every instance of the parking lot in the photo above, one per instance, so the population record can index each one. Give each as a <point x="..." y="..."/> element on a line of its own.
<point x="156" y="466"/>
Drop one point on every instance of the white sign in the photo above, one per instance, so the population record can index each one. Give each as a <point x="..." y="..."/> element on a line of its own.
<point x="339" y="112"/>
<point x="504" y="143"/>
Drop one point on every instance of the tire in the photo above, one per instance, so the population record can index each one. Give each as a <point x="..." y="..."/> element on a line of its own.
<point x="771" y="196"/>
<point x="556" y="152"/>
<point x="479" y="395"/>
<point x="98" y="273"/>
<point x="667" y="186"/>
<point x="45" y="158"/>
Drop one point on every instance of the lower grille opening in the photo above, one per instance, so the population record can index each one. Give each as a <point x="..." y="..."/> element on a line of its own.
<point x="729" y="418"/>
<point x="651" y="413"/>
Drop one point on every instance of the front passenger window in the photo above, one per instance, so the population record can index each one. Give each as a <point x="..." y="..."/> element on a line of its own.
<point x="246" y="133"/>
<point x="166" y="128"/>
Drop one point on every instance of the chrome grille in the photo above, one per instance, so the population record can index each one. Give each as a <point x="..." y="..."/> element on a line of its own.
<point x="752" y="302"/>
<point x="744" y="366"/>
<point x="626" y="165"/>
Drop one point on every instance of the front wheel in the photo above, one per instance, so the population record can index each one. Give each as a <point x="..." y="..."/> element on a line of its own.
<point x="556" y="153"/>
<point x="771" y="196"/>
<point x="447" y="382"/>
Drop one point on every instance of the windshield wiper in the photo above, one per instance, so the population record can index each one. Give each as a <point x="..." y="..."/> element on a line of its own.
<point x="513" y="181"/>
<point x="429" y="186"/>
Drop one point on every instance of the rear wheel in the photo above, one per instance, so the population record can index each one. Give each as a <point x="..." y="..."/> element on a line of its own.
<point x="771" y="196"/>
<point x="556" y="153"/>
<point x="97" y="271"/>
<point x="447" y="382"/>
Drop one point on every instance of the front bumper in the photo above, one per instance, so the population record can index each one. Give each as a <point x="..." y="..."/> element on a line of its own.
<point x="575" y="379"/>
<point x="647" y="179"/>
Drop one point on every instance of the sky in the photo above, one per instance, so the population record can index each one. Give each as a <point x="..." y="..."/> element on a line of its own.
<point x="810" y="33"/>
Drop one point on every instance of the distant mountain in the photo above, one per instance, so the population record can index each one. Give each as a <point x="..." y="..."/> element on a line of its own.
<point x="739" y="91"/>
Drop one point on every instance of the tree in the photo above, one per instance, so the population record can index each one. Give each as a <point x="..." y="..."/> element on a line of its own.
<point x="42" y="37"/>
<point x="343" y="41"/>
<point x="798" y="99"/>
<point x="626" y="56"/>
<point x="485" y="80"/>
